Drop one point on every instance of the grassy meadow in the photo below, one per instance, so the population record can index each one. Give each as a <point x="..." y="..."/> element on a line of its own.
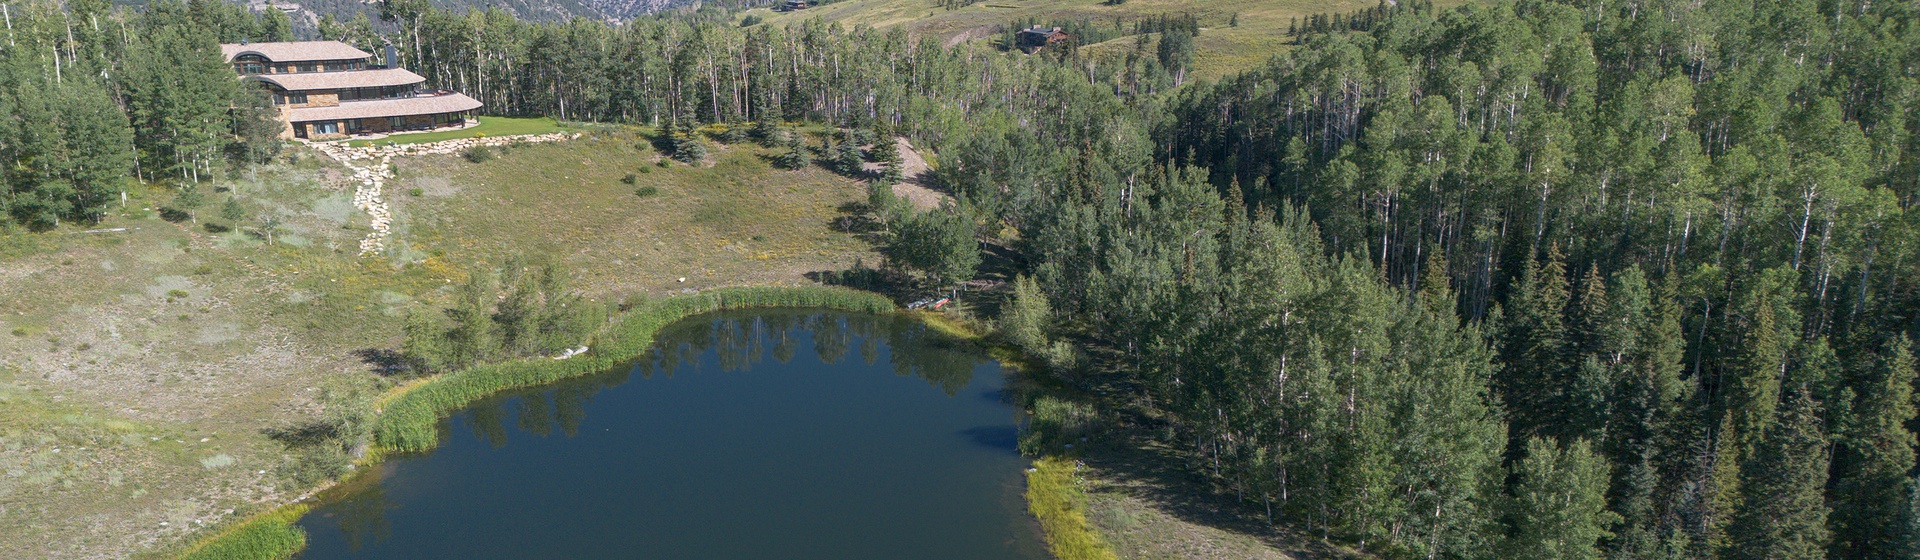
<point x="143" y="363"/>
<point x="1220" y="50"/>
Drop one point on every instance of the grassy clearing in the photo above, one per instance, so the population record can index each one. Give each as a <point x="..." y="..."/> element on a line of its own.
<point x="732" y="220"/>
<point x="410" y="421"/>
<point x="1221" y="49"/>
<point x="1055" y="498"/>
<point x="271" y="536"/>
<point x="489" y="126"/>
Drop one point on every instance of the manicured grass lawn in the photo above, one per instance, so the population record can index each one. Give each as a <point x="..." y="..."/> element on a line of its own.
<point x="489" y="126"/>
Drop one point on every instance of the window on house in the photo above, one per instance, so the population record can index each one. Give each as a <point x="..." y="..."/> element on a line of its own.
<point x="307" y="68"/>
<point x="332" y="127"/>
<point x="396" y="122"/>
<point x="297" y="98"/>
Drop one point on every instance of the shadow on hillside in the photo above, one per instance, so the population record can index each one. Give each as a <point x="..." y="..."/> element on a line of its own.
<point x="1129" y="458"/>
<point x="1151" y="471"/>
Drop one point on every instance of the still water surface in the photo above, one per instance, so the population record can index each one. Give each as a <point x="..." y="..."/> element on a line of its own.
<point x="765" y="434"/>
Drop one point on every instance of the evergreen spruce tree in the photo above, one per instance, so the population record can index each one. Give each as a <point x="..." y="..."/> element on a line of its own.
<point x="1871" y="495"/>
<point x="472" y="339"/>
<point x="1535" y="364"/>
<point x="794" y="156"/>
<point x="232" y="212"/>
<point x="1559" y="506"/>
<point x="1783" y="512"/>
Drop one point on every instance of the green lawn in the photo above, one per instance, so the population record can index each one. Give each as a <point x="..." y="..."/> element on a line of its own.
<point x="489" y="126"/>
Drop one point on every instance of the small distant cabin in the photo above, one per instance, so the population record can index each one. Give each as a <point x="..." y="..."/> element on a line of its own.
<point x="794" y="5"/>
<point x="1035" y="38"/>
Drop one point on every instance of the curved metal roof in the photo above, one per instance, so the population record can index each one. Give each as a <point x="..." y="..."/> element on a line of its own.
<point x="295" y="51"/>
<point x="307" y="81"/>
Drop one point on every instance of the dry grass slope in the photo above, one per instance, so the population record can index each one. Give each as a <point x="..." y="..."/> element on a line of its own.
<point x="1222" y="49"/>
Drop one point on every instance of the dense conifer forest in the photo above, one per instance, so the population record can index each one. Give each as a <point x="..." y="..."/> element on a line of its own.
<point x="1534" y="279"/>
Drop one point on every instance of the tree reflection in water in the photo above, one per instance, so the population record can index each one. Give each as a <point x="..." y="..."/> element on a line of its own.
<point x="739" y="339"/>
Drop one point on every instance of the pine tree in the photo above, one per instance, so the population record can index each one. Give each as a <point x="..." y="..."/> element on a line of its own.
<point x="232" y="211"/>
<point x="1535" y="349"/>
<point x="1559" y="505"/>
<point x="1753" y="386"/>
<point x="1783" y="512"/>
<point x="1871" y="494"/>
<point x="472" y="339"/>
<point x="424" y="347"/>
<point x="847" y="157"/>
<point x="794" y="156"/>
<point x="99" y="146"/>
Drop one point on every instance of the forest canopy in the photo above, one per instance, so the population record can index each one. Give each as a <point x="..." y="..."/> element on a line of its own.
<point x="1526" y="279"/>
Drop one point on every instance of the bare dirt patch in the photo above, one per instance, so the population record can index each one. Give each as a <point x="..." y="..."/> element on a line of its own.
<point x="913" y="184"/>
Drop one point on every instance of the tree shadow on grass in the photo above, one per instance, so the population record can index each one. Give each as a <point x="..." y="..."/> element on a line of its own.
<point x="1128" y="458"/>
<point x="303" y="435"/>
<point x="1157" y="474"/>
<point x="385" y="362"/>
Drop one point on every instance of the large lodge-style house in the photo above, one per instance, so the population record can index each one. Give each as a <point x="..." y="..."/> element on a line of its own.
<point x="328" y="89"/>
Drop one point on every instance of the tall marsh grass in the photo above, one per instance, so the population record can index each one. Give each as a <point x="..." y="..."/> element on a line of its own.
<point x="270" y="536"/>
<point x="410" y="421"/>
<point x="1056" y="500"/>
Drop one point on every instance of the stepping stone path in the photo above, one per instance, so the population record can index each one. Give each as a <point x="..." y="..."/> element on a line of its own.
<point x="369" y="178"/>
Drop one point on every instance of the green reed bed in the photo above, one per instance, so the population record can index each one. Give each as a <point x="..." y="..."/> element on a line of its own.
<point x="410" y="421"/>
<point x="269" y="536"/>
<point x="1055" y="498"/>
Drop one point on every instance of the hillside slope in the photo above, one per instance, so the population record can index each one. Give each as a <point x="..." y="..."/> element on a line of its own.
<point x="1222" y="47"/>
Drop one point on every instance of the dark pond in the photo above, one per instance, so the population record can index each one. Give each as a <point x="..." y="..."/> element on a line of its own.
<point x="765" y="434"/>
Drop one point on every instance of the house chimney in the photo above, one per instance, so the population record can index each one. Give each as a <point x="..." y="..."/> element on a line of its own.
<point x="393" y="56"/>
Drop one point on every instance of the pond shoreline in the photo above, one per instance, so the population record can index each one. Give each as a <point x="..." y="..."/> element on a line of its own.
<point x="407" y="417"/>
<point x="408" y="414"/>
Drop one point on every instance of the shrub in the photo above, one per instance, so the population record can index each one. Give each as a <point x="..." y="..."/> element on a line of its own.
<point x="751" y="20"/>
<point x="478" y="154"/>
<point x="415" y="192"/>
<point x="646" y="191"/>
<point x="1027" y="319"/>
<point x="1055" y="423"/>
<point x="631" y="178"/>
<point x="176" y="294"/>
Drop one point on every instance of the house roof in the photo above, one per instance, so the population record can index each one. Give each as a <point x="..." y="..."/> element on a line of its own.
<point x="295" y="51"/>
<point x="423" y="105"/>
<point x="306" y="81"/>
